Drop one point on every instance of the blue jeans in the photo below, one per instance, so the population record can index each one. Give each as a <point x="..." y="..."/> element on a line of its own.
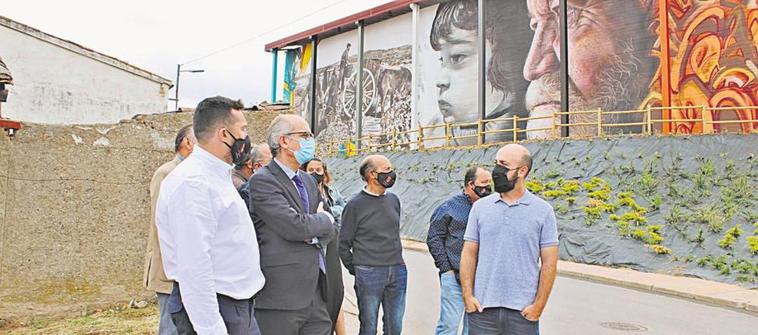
<point x="165" y="324"/>
<point x="501" y="321"/>
<point x="451" y="306"/>
<point x="385" y="285"/>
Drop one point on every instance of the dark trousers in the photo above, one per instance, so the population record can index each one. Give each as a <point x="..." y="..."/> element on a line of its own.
<point x="311" y="320"/>
<point x="335" y="288"/>
<point x="385" y="285"/>
<point x="237" y="315"/>
<point x="501" y="321"/>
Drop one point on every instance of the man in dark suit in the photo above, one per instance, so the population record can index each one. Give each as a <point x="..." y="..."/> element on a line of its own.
<point x="292" y="226"/>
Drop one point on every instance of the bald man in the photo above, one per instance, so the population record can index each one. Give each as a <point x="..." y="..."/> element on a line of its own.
<point x="510" y="253"/>
<point x="370" y="248"/>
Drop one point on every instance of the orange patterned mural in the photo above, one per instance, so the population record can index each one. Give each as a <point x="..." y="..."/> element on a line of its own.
<point x="713" y="48"/>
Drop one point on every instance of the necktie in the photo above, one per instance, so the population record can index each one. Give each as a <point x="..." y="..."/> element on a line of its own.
<point x="306" y="205"/>
<point x="303" y="193"/>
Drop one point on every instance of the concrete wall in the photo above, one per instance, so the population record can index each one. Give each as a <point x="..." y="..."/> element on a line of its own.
<point x="56" y="85"/>
<point x="74" y="210"/>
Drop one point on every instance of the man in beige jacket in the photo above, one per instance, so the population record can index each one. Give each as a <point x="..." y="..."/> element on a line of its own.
<point x="155" y="278"/>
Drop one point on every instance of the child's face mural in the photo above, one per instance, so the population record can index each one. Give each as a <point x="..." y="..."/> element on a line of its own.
<point x="457" y="89"/>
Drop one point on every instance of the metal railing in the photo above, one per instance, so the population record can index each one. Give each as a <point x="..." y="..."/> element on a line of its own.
<point x="648" y="121"/>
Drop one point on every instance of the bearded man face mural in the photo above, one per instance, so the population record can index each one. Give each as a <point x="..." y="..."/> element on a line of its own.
<point x="609" y="61"/>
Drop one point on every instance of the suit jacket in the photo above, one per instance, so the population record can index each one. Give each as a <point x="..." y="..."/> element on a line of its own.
<point x="155" y="278"/>
<point x="283" y="226"/>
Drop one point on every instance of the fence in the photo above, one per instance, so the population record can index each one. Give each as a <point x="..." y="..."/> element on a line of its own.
<point x="647" y="121"/>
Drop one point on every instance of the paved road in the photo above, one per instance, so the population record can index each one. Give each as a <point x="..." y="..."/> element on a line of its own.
<point x="575" y="307"/>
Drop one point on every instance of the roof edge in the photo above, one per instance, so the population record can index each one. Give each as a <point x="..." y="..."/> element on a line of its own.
<point x="82" y="50"/>
<point x="398" y="6"/>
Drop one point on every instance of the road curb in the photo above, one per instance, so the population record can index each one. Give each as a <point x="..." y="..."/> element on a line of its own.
<point x="699" y="290"/>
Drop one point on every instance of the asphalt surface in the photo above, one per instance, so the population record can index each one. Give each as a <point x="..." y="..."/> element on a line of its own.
<point x="575" y="307"/>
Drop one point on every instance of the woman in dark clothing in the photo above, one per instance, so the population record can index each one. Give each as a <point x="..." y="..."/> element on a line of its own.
<point x="334" y="200"/>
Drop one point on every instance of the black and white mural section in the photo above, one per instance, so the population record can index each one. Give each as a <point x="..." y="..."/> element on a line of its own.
<point x="385" y="82"/>
<point x="448" y="60"/>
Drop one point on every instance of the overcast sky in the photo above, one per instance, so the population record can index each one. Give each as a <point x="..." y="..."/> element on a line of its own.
<point x="156" y="35"/>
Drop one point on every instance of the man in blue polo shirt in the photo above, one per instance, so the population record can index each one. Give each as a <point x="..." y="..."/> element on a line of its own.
<point x="508" y="233"/>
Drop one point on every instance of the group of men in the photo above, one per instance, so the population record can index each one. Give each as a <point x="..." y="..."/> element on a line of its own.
<point x="496" y="253"/>
<point x="241" y="250"/>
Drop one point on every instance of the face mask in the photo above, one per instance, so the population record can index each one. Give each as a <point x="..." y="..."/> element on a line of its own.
<point x="319" y="177"/>
<point x="239" y="148"/>
<point x="500" y="177"/>
<point x="307" y="150"/>
<point x="386" y="179"/>
<point x="482" y="191"/>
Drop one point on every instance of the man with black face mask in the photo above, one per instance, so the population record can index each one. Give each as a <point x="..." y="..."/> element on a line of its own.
<point x="207" y="240"/>
<point x="370" y="248"/>
<point x="445" y="241"/>
<point x="510" y="253"/>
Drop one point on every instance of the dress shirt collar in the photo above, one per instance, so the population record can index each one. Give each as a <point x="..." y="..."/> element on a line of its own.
<point x="290" y="174"/>
<point x="216" y="165"/>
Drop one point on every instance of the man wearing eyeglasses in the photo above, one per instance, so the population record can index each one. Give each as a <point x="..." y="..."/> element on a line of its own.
<point x="371" y="250"/>
<point x="292" y="224"/>
<point x="510" y="253"/>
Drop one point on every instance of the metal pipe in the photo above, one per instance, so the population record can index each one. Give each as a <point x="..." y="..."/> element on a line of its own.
<point x="482" y="64"/>
<point x="359" y="82"/>
<point x="563" y="63"/>
<point x="275" y="52"/>
<point x="176" y="89"/>
<point x="312" y="107"/>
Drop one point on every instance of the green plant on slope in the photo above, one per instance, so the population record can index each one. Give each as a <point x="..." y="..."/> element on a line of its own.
<point x="752" y="244"/>
<point x="534" y="186"/>
<point x="660" y="250"/>
<point x="730" y="237"/>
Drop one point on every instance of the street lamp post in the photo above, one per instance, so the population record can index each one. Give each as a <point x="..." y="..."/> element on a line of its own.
<point x="176" y="90"/>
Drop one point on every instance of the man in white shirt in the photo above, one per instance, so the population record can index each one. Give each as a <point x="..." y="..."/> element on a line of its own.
<point x="207" y="238"/>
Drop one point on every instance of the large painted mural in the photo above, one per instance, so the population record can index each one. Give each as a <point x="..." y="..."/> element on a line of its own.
<point x="620" y="58"/>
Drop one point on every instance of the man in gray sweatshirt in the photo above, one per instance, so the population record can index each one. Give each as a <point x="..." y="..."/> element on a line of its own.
<point x="370" y="248"/>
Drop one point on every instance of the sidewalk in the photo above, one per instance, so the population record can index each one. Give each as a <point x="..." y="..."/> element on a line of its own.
<point x="705" y="291"/>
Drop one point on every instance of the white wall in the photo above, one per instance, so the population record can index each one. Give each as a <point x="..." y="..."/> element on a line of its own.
<point x="57" y="86"/>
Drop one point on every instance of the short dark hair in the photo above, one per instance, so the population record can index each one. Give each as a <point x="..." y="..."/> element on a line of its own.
<point x="526" y="160"/>
<point x="327" y="175"/>
<point x="470" y="175"/>
<point x="509" y="41"/>
<point x="366" y="165"/>
<point x="211" y="112"/>
<point x="247" y="157"/>
<point x="181" y="135"/>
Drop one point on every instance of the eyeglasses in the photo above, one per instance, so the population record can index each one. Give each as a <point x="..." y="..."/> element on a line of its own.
<point x="304" y="134"/>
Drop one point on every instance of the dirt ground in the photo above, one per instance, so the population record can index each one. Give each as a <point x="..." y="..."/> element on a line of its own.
<point x="119" y="320"/>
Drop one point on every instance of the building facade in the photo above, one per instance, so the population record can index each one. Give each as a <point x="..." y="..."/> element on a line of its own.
<point x="425" y="65"/>
<point x="60" y="82"/>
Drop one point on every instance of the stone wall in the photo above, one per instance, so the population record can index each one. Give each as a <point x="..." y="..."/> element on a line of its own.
<point x="74" y="209"/>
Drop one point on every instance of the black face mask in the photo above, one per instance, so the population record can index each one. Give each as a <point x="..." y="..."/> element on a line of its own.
<point x="500" y="177"/>
<point x="482" y="191"/>
<point x="386" y="179"/>
<point x="239" y="148"/>
<point x="319" y="177"/>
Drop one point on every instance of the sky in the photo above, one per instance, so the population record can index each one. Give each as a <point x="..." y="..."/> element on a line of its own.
<point x="156" y="35"/>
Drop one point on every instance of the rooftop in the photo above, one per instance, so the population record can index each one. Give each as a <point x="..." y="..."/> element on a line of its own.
<point x="81" y="50"/>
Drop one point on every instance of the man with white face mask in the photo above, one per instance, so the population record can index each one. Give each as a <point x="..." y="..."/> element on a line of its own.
<point x="288" y="212"/>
